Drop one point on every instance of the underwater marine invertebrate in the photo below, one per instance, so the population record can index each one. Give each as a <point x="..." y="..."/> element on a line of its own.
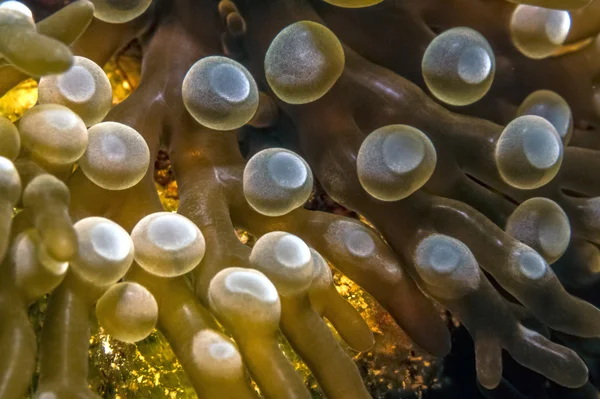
<point x="448" y="228"/>
<point x="277" y="181"/>
<point x="459" y="66"/>
<point x="84" y="89"/>
<point x="116" y="158"/>
<point x="220" y="93"/>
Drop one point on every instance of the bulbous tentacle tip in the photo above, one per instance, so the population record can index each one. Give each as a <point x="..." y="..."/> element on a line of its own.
<point x="48" y="200"/>
<point x="529" y="152"/>
<point x="168" y="244"/>
<point x="500" y="392"/>
<point x="295" y="77"/>
<point x="543" y="225"/>
<point x="286" y="260"/>
<point x="488" y="358"/>
<point x="537" y="32"/>
<point x="128" y="312"/>
<point x="105" y="251"/>
<point x="43" y="55"/>
<point x="35" y="272"/>
<point x="119" y="12"/>
<point x="245" y="297"/>
<point x="557" y="363"/>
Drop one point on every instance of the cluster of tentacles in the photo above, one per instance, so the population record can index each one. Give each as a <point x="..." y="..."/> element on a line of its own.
<point x="468" y="211"/>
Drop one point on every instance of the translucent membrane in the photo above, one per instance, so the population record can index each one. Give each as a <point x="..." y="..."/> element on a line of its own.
<point x="217" y="366"/>
<point x="459" y="66"/>
<point x="10" y="182"/>
<point x="277" y="181"/>
<point x="553" y="108"/>
<point x="117" y="156"/>
<point x="167" y="244"/>
<point x="537" y="32"/>
<point x="557" y="4"/>
<point x="216" y="355"/>
<point x="22" y="46"/>
<point x="447" y="266"/>
<point x="543" y="225"/>
<point x="48" y="199"/>
<point x="303" y="62"/>
<point x="245" y="299"/>
<point x="236" y="25"/>
<point x="10" y="141"/>
<point x="10" y="192"/>
<point x="127" y="311"/>
<point x="16" y="14"/>
<point x="353" y="3"/>
<point x="84" y="88"/>
<point x="529" y="152"/>
<point x="53" y="133"/>
<point x="528" y="263"/>
<point x="119" y="11"/>
<point x="36" y="273"/>
<point x="17" y="6"/>
<point x="220" y="93"/>
<point x="105" y="251"/>
<point x="285" y="259"/>
<point x="395" y="161"/>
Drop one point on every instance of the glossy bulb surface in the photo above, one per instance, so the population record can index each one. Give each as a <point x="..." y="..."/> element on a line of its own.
<point x="528" y="263"/>
<point x="459" y="66"/>
<point x="552" y="107"/>
<point x="36" y="273"/>
<point x="117" y="156"/>
<point x="216" y="355"/>
<point x="277" y="181"/>
<point x="10" y="181"/>
<point x="167" y="244"/>
<point x="245" y="298"/>
<point x="10" y="141"/>
<point x="541" y="224"/>
<point x="84" y="88"/>
<point x="285" y="259"/>
<point x="47" y="198"/>
<point x="447" y="265"/>
<point x="105" y="251"/>
<point x="119" y="11"/>
<point x="395" y="161"/>
<point x="529" y="152"/>
<point x="127" y="311"/>
<point x="17" y="6"/>
<point x="220" y="93"/>
<point x="537" y="32"/>
<point x="53" y="133"/>
<point x="303" y="62"/>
